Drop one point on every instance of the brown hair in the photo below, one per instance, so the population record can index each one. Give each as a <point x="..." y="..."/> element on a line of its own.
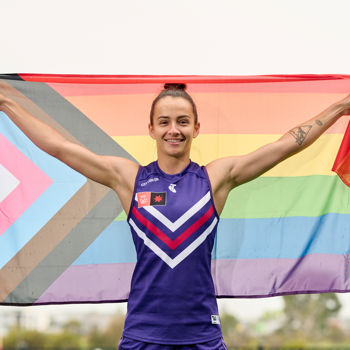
<point x="174" y="90"/>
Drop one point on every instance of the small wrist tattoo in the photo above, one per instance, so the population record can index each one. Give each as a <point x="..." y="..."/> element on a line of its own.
<point x="318" y="122"/>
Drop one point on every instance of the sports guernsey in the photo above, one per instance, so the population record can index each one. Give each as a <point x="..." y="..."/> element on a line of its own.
<point x="173" y="223"/>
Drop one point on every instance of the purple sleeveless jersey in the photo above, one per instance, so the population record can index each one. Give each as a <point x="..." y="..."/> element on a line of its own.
<point x="173" y="223"/>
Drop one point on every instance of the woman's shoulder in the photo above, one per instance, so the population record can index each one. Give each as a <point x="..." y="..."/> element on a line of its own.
<point x="148" y="170"/>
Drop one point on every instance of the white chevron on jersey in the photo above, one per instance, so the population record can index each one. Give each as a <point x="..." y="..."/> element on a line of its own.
<point x="172" y="262"/>
<point x="173" y="226"/>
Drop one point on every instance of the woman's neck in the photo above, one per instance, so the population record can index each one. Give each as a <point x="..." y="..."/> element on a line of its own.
<point x="172" y="165"/>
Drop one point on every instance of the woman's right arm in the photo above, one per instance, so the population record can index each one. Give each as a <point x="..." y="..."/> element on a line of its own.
<point x="114" y="172"/>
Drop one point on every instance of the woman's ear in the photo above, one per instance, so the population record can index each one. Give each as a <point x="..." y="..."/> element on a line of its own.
<point x="196" y="130"/>
<point x="150" y="130"/>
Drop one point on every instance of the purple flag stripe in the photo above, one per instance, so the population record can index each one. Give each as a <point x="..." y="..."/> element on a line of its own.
<point x="250" y="278"/>
<point x="314" y="273"/>
<point x="90" y="283"/>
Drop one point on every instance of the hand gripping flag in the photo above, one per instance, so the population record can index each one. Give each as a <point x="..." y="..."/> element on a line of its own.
<point x="64" y="238"/>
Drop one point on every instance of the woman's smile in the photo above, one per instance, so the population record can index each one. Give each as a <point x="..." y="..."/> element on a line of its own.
<point x="174" y="141"/>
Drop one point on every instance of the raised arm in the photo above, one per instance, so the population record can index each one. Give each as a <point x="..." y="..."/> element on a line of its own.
<point x="227" y="173"/>
<point x="115" y="172"/>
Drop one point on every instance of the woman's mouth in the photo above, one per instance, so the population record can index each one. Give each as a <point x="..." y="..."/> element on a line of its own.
<point x="174" y="141"/>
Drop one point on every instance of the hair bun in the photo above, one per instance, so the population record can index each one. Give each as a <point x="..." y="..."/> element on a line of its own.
<point x="174" y="86"/>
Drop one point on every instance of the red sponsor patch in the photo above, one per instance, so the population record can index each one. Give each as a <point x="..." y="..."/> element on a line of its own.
<point x="151" y="198"/>
<point x="143" y="199"/>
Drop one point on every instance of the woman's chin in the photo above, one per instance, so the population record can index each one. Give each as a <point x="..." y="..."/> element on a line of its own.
<point x="177" y="153"/>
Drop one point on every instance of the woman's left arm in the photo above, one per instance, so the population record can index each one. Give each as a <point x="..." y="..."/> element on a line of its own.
<point x="230" y="172"/>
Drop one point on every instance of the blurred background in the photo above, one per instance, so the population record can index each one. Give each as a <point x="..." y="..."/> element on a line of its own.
<point x="304" y="321"/>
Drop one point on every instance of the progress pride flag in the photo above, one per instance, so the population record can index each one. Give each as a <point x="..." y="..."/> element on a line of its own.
<point x="286" y="232"/>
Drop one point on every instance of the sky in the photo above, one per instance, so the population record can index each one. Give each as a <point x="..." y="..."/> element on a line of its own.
<point x="228" y="37"/>
<point x="196" y="37"/>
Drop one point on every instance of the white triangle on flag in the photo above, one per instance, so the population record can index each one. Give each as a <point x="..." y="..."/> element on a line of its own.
<point x="8" y="182"/>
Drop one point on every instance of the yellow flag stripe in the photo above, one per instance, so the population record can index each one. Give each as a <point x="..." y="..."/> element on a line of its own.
<point x="315" y="160"/>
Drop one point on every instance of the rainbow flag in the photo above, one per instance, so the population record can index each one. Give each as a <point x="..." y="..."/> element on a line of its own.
<point x="64" y="238"/>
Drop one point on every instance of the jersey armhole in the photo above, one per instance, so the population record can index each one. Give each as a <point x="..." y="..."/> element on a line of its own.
<point x="211" y="192"/>
<point x="134" y="193"/>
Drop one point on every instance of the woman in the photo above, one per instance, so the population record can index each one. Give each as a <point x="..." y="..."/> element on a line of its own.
<point x="173" y="208"/>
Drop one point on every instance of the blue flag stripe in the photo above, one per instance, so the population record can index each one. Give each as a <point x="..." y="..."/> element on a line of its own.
<point x="291" y="238"/>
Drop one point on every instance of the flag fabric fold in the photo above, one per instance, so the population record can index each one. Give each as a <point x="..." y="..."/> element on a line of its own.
<point x="342" y="162"/>
<point x="64" y="238"/>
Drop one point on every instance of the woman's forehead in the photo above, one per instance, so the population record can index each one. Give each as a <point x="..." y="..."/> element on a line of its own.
<point x="172" y="104"/>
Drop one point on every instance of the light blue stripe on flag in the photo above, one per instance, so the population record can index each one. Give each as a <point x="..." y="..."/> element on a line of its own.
<point x="290" y="237"/>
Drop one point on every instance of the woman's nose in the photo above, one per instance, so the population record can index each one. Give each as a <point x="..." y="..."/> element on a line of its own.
<point x="173" y="129"/>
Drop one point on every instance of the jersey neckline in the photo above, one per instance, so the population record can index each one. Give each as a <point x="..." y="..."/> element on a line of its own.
<point x="171" y="176"/>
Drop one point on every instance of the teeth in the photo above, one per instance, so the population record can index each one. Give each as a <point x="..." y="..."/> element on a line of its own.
<point x="173" y="140"/>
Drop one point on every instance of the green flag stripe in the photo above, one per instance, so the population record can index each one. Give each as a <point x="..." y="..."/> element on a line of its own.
<point x="270" y="197"/>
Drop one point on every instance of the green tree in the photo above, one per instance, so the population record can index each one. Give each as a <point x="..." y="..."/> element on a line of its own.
<point x="229" y="324"/>
<point x="307" y="316"/>
<point x="70" y="337"/>
<point x="96" y="338"/>
<point x="19" y="339"/>
<point x="73" y="326"/>
<point x="65" y="340"/>
<point x="109" y="337"/>
<point x="234" y="332"/>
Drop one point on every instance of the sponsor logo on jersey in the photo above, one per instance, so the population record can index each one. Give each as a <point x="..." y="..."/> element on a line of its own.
<point x="145" y="199"/>
<point x="215" y="319"/>
<point x="152" y="179"/>
<point x="172" y="188"/>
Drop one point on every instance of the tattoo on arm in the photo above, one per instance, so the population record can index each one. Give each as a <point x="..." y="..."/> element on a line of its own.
<point x="318" y="122"/>
<point x="300" y="133"/>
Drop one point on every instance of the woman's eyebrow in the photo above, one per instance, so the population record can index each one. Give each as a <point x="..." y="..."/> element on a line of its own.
<point x="178" y="117"/>
<point x="183" y="116"/>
